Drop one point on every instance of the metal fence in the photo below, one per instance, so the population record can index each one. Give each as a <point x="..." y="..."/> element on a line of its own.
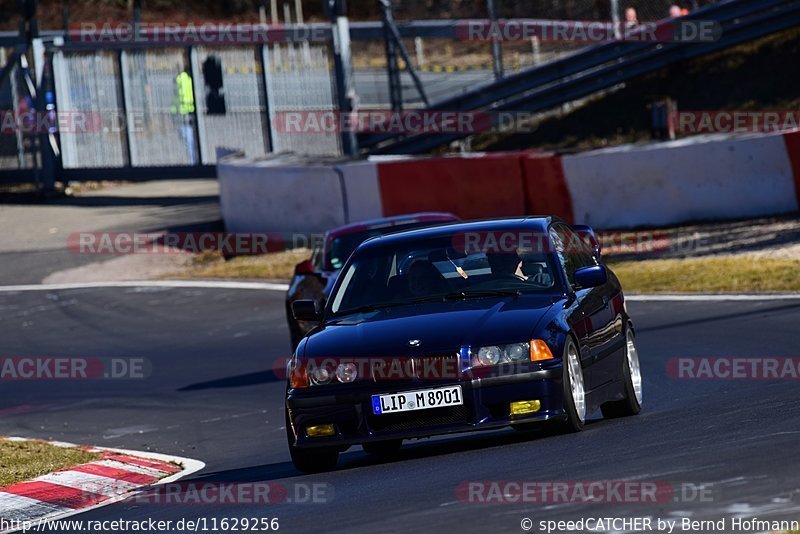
<point x="133" y="94"/>
<point x="88" y="89"/>
<point x="299" y="81"/>
<point x="128" y="93"/>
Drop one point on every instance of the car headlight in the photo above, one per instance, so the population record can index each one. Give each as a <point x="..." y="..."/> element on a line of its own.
<point x="536" y="350"/>
<point x="329" y="371"/>
<point x="346" y="372"/>
<point x="320" y="375"/>
<point x="487" y="356"/>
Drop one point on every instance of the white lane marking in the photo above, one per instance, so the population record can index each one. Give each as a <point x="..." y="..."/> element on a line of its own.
<point x="711" y="298"/>
<point x="88" y="482"/>
<point x="201" y="284"/>
<point x="271" y="286"/>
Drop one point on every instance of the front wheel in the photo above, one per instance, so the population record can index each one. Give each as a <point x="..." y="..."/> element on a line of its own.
<point x="312" y="460"/>
<point x="632" y="382"/>
<point x="574" y="391"/>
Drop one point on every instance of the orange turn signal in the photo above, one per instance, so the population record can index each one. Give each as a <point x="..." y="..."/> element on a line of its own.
<point x="540" y="351"/>
<point x="298" y="378"/>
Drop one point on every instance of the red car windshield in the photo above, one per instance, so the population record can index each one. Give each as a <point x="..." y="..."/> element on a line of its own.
<point x="341" y="247"/>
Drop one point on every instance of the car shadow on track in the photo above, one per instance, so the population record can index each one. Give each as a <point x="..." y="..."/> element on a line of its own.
<point x="355" y="458"/>
<point x="249" y="379"/>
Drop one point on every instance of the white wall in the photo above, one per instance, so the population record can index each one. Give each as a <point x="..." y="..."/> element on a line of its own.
<point x="280" y="195"/>
<point x="690" y="179"/>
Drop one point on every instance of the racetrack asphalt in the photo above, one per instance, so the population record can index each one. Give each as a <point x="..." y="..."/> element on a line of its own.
<point x="212" y="395"/>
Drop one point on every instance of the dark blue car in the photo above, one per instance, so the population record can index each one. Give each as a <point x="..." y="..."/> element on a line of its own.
<point x="461" y="327"/>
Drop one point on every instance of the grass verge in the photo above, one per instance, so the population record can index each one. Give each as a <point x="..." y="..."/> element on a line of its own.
<point x="275" y="266"/>
<point x="24" y="460"/>
<point x="737" y="274"/>
<point x="730" y="274"/>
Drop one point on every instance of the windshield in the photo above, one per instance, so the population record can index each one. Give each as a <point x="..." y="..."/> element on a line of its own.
<point x="437" y="269"/>
<point x="342" y="247"/>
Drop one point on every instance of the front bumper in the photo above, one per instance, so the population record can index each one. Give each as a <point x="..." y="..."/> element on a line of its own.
<point x="486" y="406"/>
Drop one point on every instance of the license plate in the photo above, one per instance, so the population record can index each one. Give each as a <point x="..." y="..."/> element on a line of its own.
<point x="417" y="400"/>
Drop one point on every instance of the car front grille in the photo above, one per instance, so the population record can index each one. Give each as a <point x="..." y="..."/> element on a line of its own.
<point x="439" y="367"/>
<point x="398" y="422"/>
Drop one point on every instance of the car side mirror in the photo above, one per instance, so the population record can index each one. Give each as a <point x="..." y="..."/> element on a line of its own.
<point x="304" y="267"/>
<point x="593" y="276"/>
<point x="589" y="238"/>
<point x="306" y="310"/>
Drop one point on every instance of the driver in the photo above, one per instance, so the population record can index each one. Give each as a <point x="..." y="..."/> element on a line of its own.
<point x="424" y="279"/>
<point x="506" y="265"/>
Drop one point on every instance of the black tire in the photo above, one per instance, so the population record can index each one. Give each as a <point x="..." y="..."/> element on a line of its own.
<point x="576" y="415"/>
<point x="631" y="404"/>
<point x="386" y="448"/>
<point x="314" y="460"/>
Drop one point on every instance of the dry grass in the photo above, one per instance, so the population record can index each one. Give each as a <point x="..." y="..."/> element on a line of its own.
<point x="275" y="266"/>
<point x="24" y="460"/>
<point x="738" y="274"/>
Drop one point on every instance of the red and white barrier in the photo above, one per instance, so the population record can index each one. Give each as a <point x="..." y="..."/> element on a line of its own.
<point x="717" y="177"/>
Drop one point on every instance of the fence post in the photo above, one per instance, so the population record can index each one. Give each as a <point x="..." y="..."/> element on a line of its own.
<point x="497" y="46"/>
<point x="345" y="92"/>
<point x="392" y="68"/>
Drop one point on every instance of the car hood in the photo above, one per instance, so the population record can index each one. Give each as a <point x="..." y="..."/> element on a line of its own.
<point x="440" y="327"/>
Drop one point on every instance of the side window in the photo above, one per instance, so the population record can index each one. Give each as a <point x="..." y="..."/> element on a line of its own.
<point x="571" y="250"/>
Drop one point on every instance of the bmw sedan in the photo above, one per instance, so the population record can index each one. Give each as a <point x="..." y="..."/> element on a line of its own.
<point x="461" y="327"/>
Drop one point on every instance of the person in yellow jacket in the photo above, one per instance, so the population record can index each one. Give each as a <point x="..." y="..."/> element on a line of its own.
<point x="184" y="107"/>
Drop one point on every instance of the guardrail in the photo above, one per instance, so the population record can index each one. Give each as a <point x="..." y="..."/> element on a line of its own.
<point x="597" y="68"/>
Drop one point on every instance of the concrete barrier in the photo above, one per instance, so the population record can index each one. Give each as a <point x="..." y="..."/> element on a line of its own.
<point x="362" y="191"/>
<point x="472" y="186"/>
<point x="281" y="194"/>
<point x="717" y="177"/>
<point x="701" y="178"/>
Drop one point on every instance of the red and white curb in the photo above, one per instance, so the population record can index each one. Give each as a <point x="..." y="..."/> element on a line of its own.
<point x="83" y="487"/>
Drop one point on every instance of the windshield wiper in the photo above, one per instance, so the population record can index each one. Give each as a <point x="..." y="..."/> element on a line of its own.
<point x="364" y="309"/>
<point x="459" y="295"/>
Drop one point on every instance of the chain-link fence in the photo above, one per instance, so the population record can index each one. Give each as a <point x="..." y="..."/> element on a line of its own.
<point x="89" y="96"/>
<point x="137" y="114"/>
<point x="299" y="82"/>
<point x="231" y="104"/>
<point x="174" y="105"/>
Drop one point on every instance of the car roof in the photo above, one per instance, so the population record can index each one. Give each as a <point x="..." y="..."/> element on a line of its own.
<point x="383" y="222"/>
<point x="537" y="223"/>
